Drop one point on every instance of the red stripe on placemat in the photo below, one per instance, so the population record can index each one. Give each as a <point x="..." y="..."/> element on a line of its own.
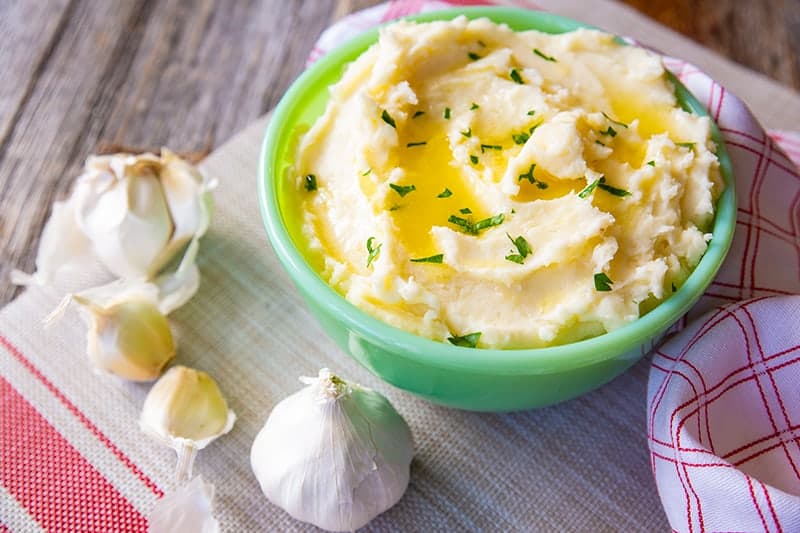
<point x="58" y="487"/>
<point x="19" y="356"/>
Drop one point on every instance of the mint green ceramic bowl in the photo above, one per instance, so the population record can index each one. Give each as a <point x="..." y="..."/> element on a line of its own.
<point x="475" y="379"/>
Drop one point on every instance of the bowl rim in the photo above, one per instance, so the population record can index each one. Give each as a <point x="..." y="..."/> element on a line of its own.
<point x="430" y="352"/>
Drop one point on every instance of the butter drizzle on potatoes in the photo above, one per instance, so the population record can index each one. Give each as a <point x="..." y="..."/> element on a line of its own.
<point x="516" y="189"/>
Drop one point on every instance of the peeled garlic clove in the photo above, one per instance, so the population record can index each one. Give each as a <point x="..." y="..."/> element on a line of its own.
<point x="130" y="339"/>
<point x="333" y="454"/>
<point x="187" y="510"/>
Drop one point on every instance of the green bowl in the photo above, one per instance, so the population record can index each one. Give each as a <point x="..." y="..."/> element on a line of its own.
<point x="475" y="379"/>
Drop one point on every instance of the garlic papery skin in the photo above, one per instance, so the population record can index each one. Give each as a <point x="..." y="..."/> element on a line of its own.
<point x="135" y="214"/>
<point x="185" y="410"/>
<point x="333" y="454"/>
<point x="186" y="510"/>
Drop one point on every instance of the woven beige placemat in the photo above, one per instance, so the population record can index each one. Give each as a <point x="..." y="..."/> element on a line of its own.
<point x="579" y="466"/>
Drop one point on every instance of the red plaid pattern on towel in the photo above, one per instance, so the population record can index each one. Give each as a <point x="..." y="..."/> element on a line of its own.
<point x="745" y="399"/>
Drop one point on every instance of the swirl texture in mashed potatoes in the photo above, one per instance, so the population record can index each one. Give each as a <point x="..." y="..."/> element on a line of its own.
<point x="537" y="189"/>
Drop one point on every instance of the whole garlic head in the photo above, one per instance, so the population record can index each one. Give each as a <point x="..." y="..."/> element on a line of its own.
<point x="133" y="213"/>
<point x="333" y="454"/>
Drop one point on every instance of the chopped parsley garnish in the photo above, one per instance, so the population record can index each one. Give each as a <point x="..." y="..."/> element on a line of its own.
<point x="531" y="112"/>
<point x="402" y="190"/>
<point x="533" y="128"/>
<point x="447" y="113"/>
<point x="651" y="163"/>
<point x="544" y="56"/>
<point x="366" y="172"/>
<point x="311" y="182"/>
<point x="674" y="288"/>
<point x="686" y="145"/>
<point x="473" y="159"/>
<point x="602" y="282"/>
<point x="610" y="131"/>
<point x="467" y="133"/>
<point x="617" y="122"/>
<point x="418" y="114"/>
<point x="447" y="193"/>
<point x="528" y="175"/>
<point x="473" y="56"/>
<point x="372" y="250"/>
<point x="412" y="145"/>
<point x="589" y="188"/>
<point x="474" y="106"/>
<point x="520" y="138"/>
<point x="516" y="77"/>
<point x="523" y="249"/>
<point x="468" y="341"/>
<point x="613" y="190"/>
<point x="465" y="211"/>
<point x="387" y="118"/>
<point x="473" y="228"/>
<point x="485" y="147"/>
<point x="395" y="207"/>
<point x="432" y="259"/>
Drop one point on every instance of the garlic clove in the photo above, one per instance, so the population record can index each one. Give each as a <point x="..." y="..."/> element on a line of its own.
<point x="130" y="339"/>
<point x="333" y="454"/>
<point x="129" y="225"/>
<point x="187" y="510"/>
<point x="186" y="404"/>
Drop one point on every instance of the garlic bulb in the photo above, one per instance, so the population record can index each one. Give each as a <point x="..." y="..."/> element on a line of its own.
<point x="333" y="454"/>
<point x="185" y="410"/>
<point x="133" y="213"/>
<point x="128" y="335"/>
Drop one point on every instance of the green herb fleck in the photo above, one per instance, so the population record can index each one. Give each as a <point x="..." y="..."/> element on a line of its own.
<point x="544" y="56"/>
<point x="533" y="128"/>
<point x="541" y="185"/>
<point x="482" y="44"/>
<point x="418" y="114"/>
<point x="366" y="172"/>
<point x="485" y="147"/>
<point x="613" y="190"/>
<point x="651" y="163"/>
<point x="467" y="133"/>
<point x="516" y="77"/>
<point x="528" y="175"/>
<point x="402" y="190"/>
<point x="468" y="341"/>
<point x="674" y="288"/>
<point x="602" y="282"/>
<point x="598" y="142"/>
<point x="473" y="56"/>
<point x="520" y="138"/>
<point x="474" y="106"/>
<point x="395" y="207"/>
<point x="685" y="145"/>
<point x="387" y="118"/>
<point x="531" y="112"/>
<point x="311" y="182"/>
<point x="372" y="250"/>
<point x="447" y="193"/>
<point x="489" y="222"/>
<point x="412" y="145"/>
<point x="447" y="113"/>
<point x="589" y="188"/>
<point x="617" y="122"/>
<point x="610" y="131"/>
<point x="465" y="211"/>
<point x="523" y="249"/>
<point x="432" y="259"/>
<point x="473" y="159"/>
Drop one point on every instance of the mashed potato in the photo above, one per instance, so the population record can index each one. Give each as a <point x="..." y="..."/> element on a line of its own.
<point x="502" y="189"/>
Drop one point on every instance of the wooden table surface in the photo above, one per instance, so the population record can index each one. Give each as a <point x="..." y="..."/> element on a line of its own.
<point x="188" y="74"/>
